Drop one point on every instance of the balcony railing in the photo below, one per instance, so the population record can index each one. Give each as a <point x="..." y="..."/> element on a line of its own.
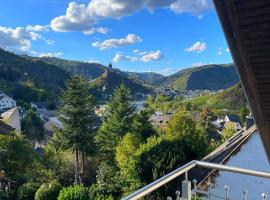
<point x="189" y="192"/>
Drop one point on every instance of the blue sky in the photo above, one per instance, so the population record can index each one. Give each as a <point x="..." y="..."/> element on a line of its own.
<point x="163" y="36"/>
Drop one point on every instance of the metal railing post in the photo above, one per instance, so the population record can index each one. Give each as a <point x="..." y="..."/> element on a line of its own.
<point x="186" y="190"/>
<point x="195" y="188"/>
<point x="264" y="196"/>
<point x="245" y="192"/>
<point x="177" y="193"/>
<point x="209" y="191"/>
<point x="226" y="192"/>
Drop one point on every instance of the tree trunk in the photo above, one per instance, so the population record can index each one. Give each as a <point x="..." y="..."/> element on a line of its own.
<point x="76" y="166"/>
<point x="83" y="161"/>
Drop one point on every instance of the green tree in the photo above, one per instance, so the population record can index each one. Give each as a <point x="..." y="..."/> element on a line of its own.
<point x="183" y="127"/>
<point x="126" y="160"/>
<point x="48" y="191"/>
<point x="162" y="159"/>
<point x="244" y="111"/>
<point x="228" y="131"/>
<point x="118" y="120"/>
<point x="18" y="158"/>
<point x="27" y="191"/>
<point x="142" y="126"/>
<point x="77" y="192"/>
<point x="206" y="117"/>
<point x="109" y="180"/>
<point x="78" y="118"/>
<point x="32" y="126"/>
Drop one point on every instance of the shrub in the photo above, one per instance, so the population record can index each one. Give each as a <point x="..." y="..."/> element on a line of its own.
<point x="74" y="193"/>
<point x="48" y="191"/>
<point x="95" y="195"/>
<point x="27" y="191"/>
<point x="9" y="195"/>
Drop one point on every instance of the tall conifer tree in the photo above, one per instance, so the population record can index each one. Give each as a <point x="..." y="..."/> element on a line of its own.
<point x="78" y="118"/>
<point x="118" y="121"/>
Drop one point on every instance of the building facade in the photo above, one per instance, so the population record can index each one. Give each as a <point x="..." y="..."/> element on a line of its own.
<point x="6" y="102"/>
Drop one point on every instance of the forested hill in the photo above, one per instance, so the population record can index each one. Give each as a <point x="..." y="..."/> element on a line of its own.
<point x="95" y="70"/>
<point x="30" y="80"/>
<point x="208" y="77"/>
<point x="147" y="78"/>
<point x="232" y="98"/>
<point x="102" y="75"/>
<point x="85" y="69"/>
<point x="111" y="79"/>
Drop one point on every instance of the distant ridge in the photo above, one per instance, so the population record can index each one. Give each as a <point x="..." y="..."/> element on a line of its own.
<point x="85" y="69"/>
<point x="30" y="80"/>
<point x="207" y="77"/>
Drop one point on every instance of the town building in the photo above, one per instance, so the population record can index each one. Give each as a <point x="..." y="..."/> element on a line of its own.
<point x="158" y="119"/>
<point x="12" y="118"/>
<point x="42" y="111"/>
<point x="6" y="102"/>
<point x="5" y="128"/>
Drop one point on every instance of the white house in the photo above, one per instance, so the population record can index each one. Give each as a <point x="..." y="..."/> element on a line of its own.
<point x="12" y="118"/>
<point x="6" y="102"/>
<point x="235" y="120"/>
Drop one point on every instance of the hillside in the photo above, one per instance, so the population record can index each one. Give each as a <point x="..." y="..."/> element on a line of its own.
<point x="147" y="78"/>
<point x="111" y="79"/>
<point x="85" y="69"/>
<point x="30" y="80"/>
<point x="232" y="98"/>
<point x="208" y="77"/>
<point x="94" y="70"/>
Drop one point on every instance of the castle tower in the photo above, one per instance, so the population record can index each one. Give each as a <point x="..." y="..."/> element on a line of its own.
<point x="110" y="66"/>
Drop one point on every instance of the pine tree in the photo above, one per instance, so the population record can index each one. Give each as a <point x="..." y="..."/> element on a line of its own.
<point x="142" y="126"/>
<point x="32" y="126"/>
<point x="118" y="121"/>
<point x="78" y="119"/>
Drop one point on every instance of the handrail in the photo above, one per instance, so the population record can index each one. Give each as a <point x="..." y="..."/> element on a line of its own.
<point x="160" y="182"/>
<point x="233" y="169"/>
<point x="167" y="178"/>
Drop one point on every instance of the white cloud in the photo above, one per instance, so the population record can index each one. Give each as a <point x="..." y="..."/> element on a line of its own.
<point x="81" y="17"/>
<point x="49" y="54"/>
<point x="195" y="7"/>
<point x="152" y="56"/>
<point x="49" y="42"/>
<point x="77" y="18"/>
<point x="37" y="28"/>
<point x="197" y="64"/>
<point x="92" y="60"/>
<point x="113" y="43"/>
<point x="120" y="57"/>
<point x="138" y="52"/>
<point x="220" y="51"/>
<point x="167" y="71"/>
<point x="18" y="39"/>
<point x="197" y="47"/>
<point x="121" y="8"/>
<point x="141" y="53"/>
<point x="102" y="30"/>
<point x="115" y="8"/>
